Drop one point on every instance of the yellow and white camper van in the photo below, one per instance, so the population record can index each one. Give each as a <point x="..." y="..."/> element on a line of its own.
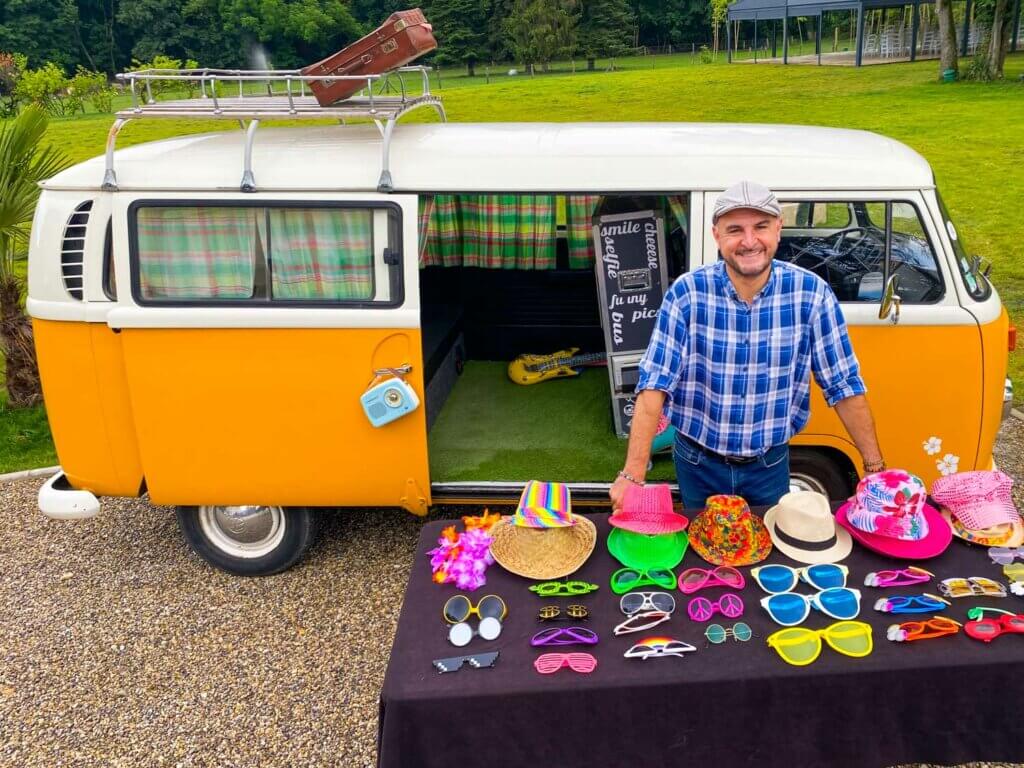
<point x="218" y="317"/>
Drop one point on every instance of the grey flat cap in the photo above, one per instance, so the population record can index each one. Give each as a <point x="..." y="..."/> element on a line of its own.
<point x="747" y="194"/>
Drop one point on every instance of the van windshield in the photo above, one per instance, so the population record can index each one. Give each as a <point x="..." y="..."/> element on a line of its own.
<point x="977" y="286"/>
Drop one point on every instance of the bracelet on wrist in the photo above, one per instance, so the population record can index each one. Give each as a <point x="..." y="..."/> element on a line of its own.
<point x="633" y="480"/>
<point x="875" y="466"/>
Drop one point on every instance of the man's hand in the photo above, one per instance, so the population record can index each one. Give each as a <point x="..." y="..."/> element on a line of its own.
<point x="618" y="493"/>
<point x="646" y="411"/>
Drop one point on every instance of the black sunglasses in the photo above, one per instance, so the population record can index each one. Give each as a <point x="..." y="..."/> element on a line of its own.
<point x="477" y="660"/>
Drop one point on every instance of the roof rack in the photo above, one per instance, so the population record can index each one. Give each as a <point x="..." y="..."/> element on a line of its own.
<point x="384" y="99"/>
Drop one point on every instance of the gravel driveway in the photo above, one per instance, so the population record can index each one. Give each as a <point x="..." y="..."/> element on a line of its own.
<point x="119" y="647"/>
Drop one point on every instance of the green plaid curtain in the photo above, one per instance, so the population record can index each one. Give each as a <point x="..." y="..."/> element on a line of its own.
<point x="508" y="231"/>
<point x="440" y="233"/>
<point x="678" y="206"/>
<point x="579" y="228"/>
<point x="196" y="253"/>
<point x="324" y="253"/>
<point x="491" y="231"/>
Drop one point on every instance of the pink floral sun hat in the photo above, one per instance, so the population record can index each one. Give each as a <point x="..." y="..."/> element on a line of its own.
<point x="889" y="514"/>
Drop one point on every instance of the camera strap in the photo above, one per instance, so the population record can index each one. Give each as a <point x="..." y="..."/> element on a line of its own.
<point x="382" y="373"/>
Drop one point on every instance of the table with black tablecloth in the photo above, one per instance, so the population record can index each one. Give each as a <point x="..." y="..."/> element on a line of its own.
<point x="947" y="700"/>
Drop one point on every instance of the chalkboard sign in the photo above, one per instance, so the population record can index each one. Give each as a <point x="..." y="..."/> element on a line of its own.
<point x="631" y="277"/>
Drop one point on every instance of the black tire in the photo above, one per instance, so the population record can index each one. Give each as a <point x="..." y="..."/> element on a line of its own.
<point x="809" y="467"/>
<point x="299" y="524"/>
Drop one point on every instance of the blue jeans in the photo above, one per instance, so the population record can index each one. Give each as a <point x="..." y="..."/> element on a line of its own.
<point x="761" y="482"/>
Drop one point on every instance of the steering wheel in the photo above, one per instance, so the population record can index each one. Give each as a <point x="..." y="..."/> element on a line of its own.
<point x="851" y="242"/>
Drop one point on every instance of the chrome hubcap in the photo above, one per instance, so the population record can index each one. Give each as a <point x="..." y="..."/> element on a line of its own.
<point x="244" y="531"/>
<point x="801" y="482"/>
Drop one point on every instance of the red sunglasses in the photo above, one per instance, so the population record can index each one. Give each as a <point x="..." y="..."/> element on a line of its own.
<point x="988" y="630"/>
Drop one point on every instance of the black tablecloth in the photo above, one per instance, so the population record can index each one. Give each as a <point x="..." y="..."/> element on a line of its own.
<point x="947" y="700"/>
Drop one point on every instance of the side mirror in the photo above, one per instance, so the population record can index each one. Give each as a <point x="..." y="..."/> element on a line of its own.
<point x="890" y="300"/>
<point x="980" y="267"/>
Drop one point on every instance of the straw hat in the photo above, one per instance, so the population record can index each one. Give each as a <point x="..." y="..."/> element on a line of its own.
<point x="543" y="553"/>
<point x="543" y="539"/>
<point x="1000" y="535"/>
<point x="802" y="527"/>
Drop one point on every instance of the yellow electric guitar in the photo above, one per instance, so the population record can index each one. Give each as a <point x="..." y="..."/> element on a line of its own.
<point x="532" y="369"/>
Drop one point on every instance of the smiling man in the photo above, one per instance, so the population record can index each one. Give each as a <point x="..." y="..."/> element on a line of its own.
<point x="731" y="357"/>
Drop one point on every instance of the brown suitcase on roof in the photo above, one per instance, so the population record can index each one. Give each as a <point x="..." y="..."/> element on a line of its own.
<point x="403" y="37"/>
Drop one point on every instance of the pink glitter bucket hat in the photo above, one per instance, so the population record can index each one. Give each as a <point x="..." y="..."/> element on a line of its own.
<point x="978" y="500"/>
<point x="889" y="514"/>
<point x="648" y="509"/>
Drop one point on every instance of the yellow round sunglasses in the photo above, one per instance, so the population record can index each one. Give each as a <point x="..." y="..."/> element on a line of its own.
<point x="800" y="646"/>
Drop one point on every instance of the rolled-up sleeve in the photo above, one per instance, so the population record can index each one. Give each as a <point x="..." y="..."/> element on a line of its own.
<point x="833" y="362"/>
<point x="662" y="364"/>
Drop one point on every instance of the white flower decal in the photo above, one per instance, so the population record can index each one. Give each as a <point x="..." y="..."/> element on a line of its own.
<point x="932" y="445"/>
<point x="947" y="465"/>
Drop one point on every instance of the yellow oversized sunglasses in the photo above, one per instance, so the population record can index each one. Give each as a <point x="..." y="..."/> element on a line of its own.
<point x="800" y="646"/>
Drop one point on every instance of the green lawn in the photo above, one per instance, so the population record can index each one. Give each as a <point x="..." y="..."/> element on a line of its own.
<point x="970" y="133"/>
<point x="25" y="441"/>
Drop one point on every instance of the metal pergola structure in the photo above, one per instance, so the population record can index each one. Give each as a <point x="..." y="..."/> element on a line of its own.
<point x="769" y="10"/>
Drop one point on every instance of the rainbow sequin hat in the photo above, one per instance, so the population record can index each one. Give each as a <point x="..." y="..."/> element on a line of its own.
<point x="544" y="505"/>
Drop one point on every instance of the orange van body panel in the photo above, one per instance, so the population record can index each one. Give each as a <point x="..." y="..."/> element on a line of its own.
<point x="995" y="343"/>
<point x="87" y="402"/>
<point x="923" y="382"/>
<point x="272" y="416"/>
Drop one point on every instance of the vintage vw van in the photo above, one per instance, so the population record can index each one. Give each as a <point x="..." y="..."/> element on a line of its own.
<point x="209" y="343"/>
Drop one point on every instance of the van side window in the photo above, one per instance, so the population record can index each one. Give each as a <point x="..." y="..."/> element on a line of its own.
<point x="281" y="254"/>
<point x="844" y="243"/>
<point x="109" y="278"/>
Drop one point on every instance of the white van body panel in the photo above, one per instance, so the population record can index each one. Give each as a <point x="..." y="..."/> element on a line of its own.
<point x="519" y="157"/>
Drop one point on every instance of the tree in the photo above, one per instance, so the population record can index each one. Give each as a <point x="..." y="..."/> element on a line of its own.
<point x="40" y="29"/>
<point x="947" y="36"/>
<point x="542" y="30"/>
<point x="460" y="27"/>
<point x="295" y="32"/>
<point x="605" y="29"/>
<point x="23" y="164"/>
<point x="12" y="66"/>
<point x="719" y="14"/>
<point x="999" y="40"/>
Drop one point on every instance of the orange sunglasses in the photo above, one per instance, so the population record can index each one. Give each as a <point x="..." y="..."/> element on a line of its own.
<point x="939" y="626"/>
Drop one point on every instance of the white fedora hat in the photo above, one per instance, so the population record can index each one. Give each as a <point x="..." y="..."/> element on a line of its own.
<point x="803" y="527"/>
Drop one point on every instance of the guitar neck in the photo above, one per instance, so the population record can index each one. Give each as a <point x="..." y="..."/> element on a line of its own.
<point x="569" y="362"/>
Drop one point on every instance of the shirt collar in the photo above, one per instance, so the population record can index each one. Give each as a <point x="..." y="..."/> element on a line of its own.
<point x="726" y="286"/>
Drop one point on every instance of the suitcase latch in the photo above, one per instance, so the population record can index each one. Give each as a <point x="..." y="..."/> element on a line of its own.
<point x="388" y="46"/>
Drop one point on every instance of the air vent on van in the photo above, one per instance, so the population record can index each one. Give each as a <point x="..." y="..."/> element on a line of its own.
<point x="72" y="251"/>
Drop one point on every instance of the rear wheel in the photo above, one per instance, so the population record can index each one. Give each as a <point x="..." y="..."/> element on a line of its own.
<point x="811" y="470"/>
<point x="248" y="540"/>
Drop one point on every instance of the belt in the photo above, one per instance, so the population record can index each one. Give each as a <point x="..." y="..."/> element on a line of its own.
<point x="721" y="457"/>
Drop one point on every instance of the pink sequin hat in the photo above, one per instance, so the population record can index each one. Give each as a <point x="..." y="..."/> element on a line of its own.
<point x="889" y="515"/>
<point x="648" y="509"/>
<point x="978" y="500"/>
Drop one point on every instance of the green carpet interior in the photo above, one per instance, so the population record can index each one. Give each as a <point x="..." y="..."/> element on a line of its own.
<point x="558" y="430"/>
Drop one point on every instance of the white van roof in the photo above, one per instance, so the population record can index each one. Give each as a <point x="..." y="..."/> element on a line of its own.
<point x="518" y="157"/>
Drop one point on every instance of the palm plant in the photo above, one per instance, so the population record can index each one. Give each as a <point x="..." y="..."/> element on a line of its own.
<point x="24" y="162"/>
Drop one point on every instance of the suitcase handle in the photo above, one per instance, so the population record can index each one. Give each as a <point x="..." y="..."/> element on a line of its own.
<point x="361" y="61"/>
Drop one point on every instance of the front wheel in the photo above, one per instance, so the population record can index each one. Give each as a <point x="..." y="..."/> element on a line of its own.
<point x="811" y="470"/>
<point x="248" y="540"/>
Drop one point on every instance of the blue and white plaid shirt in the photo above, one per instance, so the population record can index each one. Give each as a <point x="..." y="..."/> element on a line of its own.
<point x="737" y="375"/>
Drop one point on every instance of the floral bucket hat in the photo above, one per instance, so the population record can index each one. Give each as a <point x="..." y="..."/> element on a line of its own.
<point x="728" y="533"/>
<point x="889" y="514"/>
